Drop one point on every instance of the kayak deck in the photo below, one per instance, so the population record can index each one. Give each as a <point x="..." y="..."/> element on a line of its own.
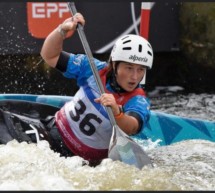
<point x="166" y="128"/>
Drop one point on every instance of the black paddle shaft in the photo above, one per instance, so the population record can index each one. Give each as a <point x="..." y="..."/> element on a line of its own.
<point x="88" y="52"/>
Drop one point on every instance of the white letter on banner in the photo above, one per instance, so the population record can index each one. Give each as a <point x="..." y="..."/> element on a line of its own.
<point x="63" y="8"/>
<point x="51" y="8"/>
<point x="38" y="10"/>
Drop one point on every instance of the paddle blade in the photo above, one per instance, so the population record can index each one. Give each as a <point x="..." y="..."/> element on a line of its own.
<point x="124" y="149"/>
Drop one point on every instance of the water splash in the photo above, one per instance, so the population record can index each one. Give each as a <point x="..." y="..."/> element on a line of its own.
<point x="187" y="165"/>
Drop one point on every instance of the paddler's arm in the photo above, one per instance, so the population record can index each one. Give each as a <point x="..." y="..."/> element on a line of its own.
<point x="129" y="124"/>
<point x="53" y="44"/>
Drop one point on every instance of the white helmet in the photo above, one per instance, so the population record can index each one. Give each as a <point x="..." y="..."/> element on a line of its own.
<point x="133" y="49"/>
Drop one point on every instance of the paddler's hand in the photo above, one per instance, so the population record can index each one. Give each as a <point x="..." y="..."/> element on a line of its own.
<point x="108" y="100"/>
<point x="68" y="27"/>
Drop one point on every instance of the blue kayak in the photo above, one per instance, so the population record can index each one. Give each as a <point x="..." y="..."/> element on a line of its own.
<point x="162" y="127"/>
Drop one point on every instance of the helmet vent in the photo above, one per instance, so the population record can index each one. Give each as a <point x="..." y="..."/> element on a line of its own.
<point x="149" y="45"/>
<point x="126" y="48"/>
<point x="149" y="53"/>
<point x="126" y="41"/>
<point x="125" y="37"/>
<point x="140" y="48"/>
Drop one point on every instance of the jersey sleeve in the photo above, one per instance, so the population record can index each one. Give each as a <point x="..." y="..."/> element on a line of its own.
<point x="79" y="68"/>
<point x="140" y="105"/>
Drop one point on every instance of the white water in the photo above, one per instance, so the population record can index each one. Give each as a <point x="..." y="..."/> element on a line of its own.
<point x="187" y="165"/>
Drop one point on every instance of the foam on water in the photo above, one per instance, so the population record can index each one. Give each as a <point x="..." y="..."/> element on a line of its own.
<point x="191" y="164"/>
<point x="187" y="165"/>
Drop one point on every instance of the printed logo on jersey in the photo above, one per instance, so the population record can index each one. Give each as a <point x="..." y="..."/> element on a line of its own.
<point x="44" y="17"/>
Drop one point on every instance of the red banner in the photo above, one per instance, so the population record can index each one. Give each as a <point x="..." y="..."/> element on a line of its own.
<point x="44" y="17"/>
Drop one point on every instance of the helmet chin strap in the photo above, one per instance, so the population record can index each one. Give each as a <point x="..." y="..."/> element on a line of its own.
<point x="143" y="81"/>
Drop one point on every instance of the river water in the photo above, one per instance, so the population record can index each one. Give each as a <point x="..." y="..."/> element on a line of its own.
<point x="186" y="165"/>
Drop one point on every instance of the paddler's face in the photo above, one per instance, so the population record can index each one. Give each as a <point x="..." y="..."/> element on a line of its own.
<point x="129" y="75"/>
